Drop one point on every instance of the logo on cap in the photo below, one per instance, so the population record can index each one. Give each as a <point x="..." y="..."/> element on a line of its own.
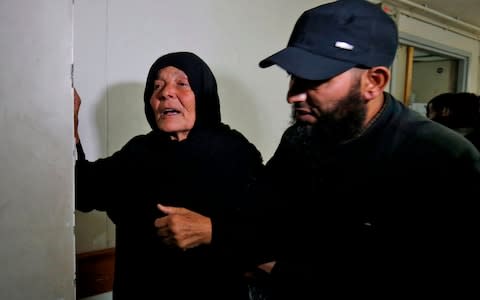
<point x="344" y="45"/>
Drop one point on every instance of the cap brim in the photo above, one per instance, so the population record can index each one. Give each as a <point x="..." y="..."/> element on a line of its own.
<point x="306" y="65"/>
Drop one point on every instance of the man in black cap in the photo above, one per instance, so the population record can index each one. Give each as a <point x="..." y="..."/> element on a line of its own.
<point x="363" y="196"/>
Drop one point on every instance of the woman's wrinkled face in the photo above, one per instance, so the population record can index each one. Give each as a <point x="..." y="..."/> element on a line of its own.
<point x="173" y="103"/>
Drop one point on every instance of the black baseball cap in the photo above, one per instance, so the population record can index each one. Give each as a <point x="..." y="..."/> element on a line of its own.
<point x="330" y="39"/>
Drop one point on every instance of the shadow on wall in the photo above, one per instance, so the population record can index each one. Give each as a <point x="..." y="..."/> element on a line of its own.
<point x="125" y="116"/>
<point x="240" y="108"/>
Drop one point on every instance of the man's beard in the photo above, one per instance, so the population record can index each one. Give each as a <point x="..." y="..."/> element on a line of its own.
<point x="334" y="127"/>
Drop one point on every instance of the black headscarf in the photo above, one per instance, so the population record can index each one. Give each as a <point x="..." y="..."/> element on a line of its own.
<point x="202" y="82"/>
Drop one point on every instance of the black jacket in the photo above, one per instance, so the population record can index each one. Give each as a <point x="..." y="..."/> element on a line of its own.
<point x="389" y="213"/>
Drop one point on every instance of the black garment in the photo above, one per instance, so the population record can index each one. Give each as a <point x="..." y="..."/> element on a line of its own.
<point x="209" y="172"/>
<point x="389" y="213"/>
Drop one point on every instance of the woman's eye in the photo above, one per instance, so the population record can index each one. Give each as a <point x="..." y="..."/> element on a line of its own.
<point x="158" y="85"/>
<point x="183" y="84"/>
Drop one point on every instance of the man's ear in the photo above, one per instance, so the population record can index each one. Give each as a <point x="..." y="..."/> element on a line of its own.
<point x="374" y="82"/>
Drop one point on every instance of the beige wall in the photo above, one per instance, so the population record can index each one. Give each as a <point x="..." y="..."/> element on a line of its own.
<point x="398" y="73"/>
<point x="427" y="82"/>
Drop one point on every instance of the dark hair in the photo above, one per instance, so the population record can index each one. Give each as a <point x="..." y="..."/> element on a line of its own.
<point x="456" y="110"/>
<point x="465" y="110"/>
<point x="202" y="81"/>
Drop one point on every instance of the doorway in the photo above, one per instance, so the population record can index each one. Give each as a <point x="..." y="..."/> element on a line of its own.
<point x="423" y="69"/>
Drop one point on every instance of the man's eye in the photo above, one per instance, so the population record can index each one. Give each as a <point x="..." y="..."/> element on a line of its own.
<point x="183" y="83"/>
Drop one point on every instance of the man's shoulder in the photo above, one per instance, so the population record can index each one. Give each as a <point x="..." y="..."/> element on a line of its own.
<point x="409" y="130"/>
<point x="422" y="132"/>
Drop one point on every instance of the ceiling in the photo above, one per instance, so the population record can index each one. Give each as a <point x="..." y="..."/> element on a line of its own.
<point x="467" y="11"/>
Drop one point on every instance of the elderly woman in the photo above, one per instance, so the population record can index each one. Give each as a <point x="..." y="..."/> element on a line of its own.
<point x="189" y="159"/>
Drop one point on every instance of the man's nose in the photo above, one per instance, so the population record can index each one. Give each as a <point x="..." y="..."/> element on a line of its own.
<point x="297" y="97"/>
<point x="296" y="91"/>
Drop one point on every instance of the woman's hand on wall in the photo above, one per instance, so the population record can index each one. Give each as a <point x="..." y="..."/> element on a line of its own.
<point x="76" y="109"/>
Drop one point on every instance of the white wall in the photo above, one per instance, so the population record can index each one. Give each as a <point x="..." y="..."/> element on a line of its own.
<point x="117" y="41"/>
<point x="36" y="153"/>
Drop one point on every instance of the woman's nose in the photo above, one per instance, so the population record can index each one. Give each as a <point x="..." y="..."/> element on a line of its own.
<point x="167" y="91"/>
